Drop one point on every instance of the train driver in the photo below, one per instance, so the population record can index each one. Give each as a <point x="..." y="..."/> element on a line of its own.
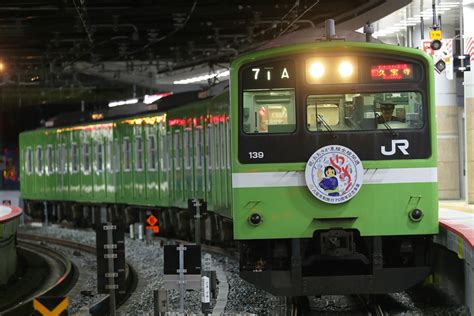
<point x="387" y="113"/>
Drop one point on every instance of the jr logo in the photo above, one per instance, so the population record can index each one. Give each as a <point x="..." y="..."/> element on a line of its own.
<point x="401" y="144"/>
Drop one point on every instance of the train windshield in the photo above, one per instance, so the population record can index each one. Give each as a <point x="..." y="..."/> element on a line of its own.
<point x="365" y="111"/>
<point x="269" y="111"/>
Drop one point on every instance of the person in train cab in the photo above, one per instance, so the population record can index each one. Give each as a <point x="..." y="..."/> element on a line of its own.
<point x="387" y="113"/>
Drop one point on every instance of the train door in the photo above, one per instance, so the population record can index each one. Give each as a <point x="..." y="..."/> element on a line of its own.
<point x="199" y="177"/>
<point x="210" y="165"/>
<point x="110" y="159"/>
<point x="151" y="166"/>
<point x="222" y="167"/>
<point x="50" y="183"/>
<point x="98" y="166"/>
<point x="86" y="167"/>
<point x="178" y="165"/>
<point x="139" y="175"/>
<point x="74" y="177"/>
<point x="27" y="180"/>
<point x="165" y="165"/>
<point x="188" y="163"/>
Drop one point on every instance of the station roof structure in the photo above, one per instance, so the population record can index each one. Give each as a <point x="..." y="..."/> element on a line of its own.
<point x="60" y="51"/>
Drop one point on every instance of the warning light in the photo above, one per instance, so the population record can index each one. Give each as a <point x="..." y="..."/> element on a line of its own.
<point x="392" y="72"/>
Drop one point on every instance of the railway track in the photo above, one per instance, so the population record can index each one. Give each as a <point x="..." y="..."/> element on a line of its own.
<point x="46" y="272"/>
<point x="99" y="308"/>
<point x="349" y="305"/>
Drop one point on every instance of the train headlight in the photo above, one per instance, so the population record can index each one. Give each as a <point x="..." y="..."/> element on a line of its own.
<point x="316" y="70"/>
<point x="346" y="69"/>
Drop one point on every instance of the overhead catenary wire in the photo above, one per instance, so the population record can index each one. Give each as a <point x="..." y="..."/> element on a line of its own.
<point x="298" y="18"/>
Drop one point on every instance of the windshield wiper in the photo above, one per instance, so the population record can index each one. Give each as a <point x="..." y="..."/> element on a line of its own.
<point x="320" y="119"/>
<point x="388" y="129"/>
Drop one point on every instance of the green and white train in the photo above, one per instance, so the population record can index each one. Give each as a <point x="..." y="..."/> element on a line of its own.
<point x="323" y="167"/>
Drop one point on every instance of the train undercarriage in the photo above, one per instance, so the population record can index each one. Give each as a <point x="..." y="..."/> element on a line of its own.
<point x="336" y="262"/>
<point x="172" y="222"/>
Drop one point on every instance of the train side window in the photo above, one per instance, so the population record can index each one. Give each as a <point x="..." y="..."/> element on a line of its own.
<point x="177" y="149"/>
<point x="209" y="146"/>
<point x="127" y="162"/>
<point x="86" y="158"/>
<point x="269" y="111"/>
<point x="187" y="148"/>
<point x="152" y="153"/>
<point x="49" y="160"/>
<point x="99" y="157"/>
<point x="198" y="132"/>
<point x="29" y="160"/>
<point x="39" y="161"/>
<point x="74" y="158"/>
<point x="138" y="153"/>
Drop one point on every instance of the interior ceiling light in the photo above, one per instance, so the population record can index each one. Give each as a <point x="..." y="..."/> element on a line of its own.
<point x="441" y="8"/>
<point x="122" y="102"/>
<point x="221" y="75"/>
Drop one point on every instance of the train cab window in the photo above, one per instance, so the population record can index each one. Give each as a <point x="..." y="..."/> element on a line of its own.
<point x="49" y="160"/>
<point x="39" y="161"/>
<point x="99" y="157"/>
<point x="152" y="153"/>
<point x="74" y="158"/>
<point x="138" y="153"/>
<point x="29" y="161"/>
<point x="86" y="158"/>
<point x="198" y="135"/>
<point x="188" y="145"/>
<point x="177" y="149"/>
<point x="269" y="111"/>
<point x="364" y="111"/>
<point x="127" y="161"/>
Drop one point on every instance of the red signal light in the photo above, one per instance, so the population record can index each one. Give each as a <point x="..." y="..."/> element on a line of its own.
<point x="392" y="72"/>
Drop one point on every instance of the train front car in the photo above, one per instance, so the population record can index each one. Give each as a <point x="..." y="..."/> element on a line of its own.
<point x="334" y="167"/>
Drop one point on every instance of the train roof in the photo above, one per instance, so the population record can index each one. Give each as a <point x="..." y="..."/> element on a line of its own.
<point x="164" y="104"/>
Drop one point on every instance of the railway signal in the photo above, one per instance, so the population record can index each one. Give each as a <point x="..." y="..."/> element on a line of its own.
<point x="152" y="224"/>
<point x="110" y="261"/>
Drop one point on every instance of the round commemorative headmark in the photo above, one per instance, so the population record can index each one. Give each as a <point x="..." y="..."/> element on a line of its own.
<point x="334" y="174"/>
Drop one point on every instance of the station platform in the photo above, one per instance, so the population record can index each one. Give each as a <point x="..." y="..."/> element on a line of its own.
<point x="456" y="220"/>
<point x="9" y="220"/>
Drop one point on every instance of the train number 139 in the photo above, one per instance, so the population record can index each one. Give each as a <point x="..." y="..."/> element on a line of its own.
<point x="256" y="154"/>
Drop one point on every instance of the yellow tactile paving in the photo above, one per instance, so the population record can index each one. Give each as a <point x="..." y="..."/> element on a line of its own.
<point x="458" y="205"/>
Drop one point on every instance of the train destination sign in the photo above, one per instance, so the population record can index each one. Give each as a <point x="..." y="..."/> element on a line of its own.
<point x="391" y="72"/>
<point x="277" y="74"/>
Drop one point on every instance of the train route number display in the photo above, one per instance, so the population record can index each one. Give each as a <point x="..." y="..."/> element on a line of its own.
<point x="334" y="174"/>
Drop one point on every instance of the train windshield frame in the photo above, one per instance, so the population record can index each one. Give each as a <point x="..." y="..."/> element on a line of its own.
<point x="380" y="93"/>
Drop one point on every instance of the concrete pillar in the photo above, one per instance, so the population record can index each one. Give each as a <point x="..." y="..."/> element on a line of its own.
<point x="447" y="120"/>
<point x="468" y="12"/>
